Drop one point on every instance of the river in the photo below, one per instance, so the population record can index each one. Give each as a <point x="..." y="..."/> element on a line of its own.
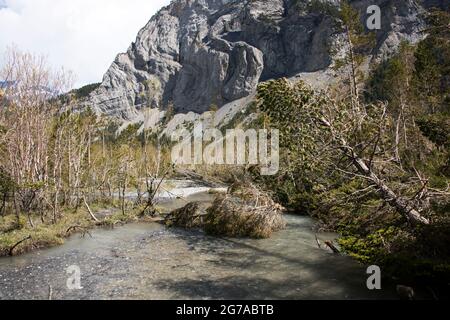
<point x="150" y="261"/>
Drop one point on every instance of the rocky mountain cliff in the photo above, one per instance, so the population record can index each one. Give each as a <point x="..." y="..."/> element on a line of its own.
<point x="197" y="53"/>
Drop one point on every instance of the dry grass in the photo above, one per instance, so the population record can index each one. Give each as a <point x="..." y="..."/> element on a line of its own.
<point x="189" y="217"/>
<point x="42" y="235"/>
<point x="245" y="212"/>
<point x="45" y="235"/>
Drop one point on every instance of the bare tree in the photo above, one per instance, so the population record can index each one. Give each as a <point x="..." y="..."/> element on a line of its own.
<point x="32" y="87"/>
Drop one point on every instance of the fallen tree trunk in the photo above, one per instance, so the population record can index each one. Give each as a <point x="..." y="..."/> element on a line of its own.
<point x="50" y="293"/>
<point x="11" y="251"/>
<point x="404" y="207"/>
<point x="318" y="242"/>
<point x="333" y="248"/>
<point x="90" y="211"/>
<point x="84" y="230"/>
<point x="190" y="216"/>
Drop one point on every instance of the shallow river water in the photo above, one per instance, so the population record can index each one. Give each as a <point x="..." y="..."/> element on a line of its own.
<point x="150" y="261"/>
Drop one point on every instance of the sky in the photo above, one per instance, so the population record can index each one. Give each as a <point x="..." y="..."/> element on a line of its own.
<point x="83" y="36"/>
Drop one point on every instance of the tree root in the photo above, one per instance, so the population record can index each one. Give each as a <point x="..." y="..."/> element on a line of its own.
<point x="11" y="251"/>
<point x="84" y="230"/>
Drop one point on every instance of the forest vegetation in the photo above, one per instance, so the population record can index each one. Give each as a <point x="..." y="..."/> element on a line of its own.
<point x="369" y="158"/>
<point x="373" y="164"/>
<point x="58" y="165"/>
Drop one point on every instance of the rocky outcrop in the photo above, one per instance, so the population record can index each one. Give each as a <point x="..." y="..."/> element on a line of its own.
<point x="197" y="53"/>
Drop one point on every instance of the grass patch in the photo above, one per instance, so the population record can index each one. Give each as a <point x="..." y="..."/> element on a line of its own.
<point x="45" y="235"/>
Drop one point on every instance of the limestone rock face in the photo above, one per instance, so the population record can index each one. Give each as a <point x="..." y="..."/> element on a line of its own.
<point x="194" y="54"/>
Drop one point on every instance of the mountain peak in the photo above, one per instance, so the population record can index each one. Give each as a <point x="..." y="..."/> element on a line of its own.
<point x="197" y="53"/>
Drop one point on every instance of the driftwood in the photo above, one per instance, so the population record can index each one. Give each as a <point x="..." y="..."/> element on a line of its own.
<point x="11" y="251"/>
<point x="189" y="174"/>
<point x="189" y="217"/>
<point x="198" y="178"/>
<point x="330" y="245"/>
<point x="318" y="242"/>
<point x="84" y="230"/>
<point x="72" y="228"/>
<point x="245" y="212"/>
<point x="118" y="223"/>
<point x="90" y="211"/>
<point x="435" y="297"/>
<point x="50" y="293"/>
<point x="405" y="293"/>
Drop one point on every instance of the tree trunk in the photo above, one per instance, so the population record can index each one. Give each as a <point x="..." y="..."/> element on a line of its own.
<point x="123" y="200"/>
<point x="3" y="208"/>
<point x="353" y="76"/>
<point x="397" y="139"/>
<point x="90" y="211"/>
<point x="404" y="207"/>
<point x="30" y="220"/>
<point x="16" y="208"/>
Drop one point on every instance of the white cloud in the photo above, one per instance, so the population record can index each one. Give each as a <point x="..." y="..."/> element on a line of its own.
<point x="82" y="35"/>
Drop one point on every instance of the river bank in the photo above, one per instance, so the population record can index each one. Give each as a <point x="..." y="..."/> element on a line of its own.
<point x="16" y="241"/>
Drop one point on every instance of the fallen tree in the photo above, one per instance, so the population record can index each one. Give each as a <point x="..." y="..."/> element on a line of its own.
<point x="403" y="206"/>
<point x="90" y="211"/>
<point x="244" y="211"/>
<point x="188" y="217"/>
<point x="318" y="131"/>
<point x="11" y="251"/>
